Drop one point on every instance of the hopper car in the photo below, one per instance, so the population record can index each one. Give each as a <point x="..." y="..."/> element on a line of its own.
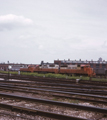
<point x="69" y="69"/>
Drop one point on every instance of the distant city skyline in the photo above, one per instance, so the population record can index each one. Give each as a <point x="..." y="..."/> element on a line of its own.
<point x="99" y="59"/>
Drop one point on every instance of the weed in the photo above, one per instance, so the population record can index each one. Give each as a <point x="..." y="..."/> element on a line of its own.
<point x="52" y="75"/>
<point x="55" y="99"/>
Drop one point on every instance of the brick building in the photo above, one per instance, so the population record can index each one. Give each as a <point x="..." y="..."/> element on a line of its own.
<point x="100" y="66"/>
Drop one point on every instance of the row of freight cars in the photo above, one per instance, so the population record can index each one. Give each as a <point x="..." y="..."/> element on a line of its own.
<point x="54" y="68"/>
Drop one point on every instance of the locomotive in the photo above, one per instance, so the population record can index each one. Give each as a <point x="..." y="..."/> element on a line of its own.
<point x="57" y="69"/>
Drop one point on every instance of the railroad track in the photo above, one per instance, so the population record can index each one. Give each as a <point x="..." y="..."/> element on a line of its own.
<point x="62" y="94"/>
<point x="56" y="80"/>
<point x="55" y="84"/>
<point x="39" y="112"/>
<point x="56" y="90"/>
<point x="88" y="90"/>
<point x="70" y="88"/>
<point x="56" y="103"/>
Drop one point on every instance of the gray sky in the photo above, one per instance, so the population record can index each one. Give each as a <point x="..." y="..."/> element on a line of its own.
<point x="36" y="30"/>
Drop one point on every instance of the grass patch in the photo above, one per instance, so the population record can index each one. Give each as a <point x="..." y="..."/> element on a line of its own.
<point x="52" y="75"/>
<point x="74" y="101"/>
<point x="55" y="99"/>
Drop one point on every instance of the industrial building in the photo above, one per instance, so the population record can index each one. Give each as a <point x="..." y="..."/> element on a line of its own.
<point x="100" y="66"/>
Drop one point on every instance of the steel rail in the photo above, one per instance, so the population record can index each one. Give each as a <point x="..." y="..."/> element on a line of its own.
<point x="59" y="96"/>
<point x="88" y="91"/>
<point x="64" y="88"/>
<point x="46" y="80"/>
<point x="71" y="105"/>
<point x="20" y="82"/>
<point x="15" y="116"/>
<point x="55" y="84"/>
<point x="40" y="112"/>
<point x="70" y="85"/>
<point x="70" y="93"/>
<point x="33" y="78"/>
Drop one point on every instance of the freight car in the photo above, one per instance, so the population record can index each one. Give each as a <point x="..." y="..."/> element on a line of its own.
<point x="69" y="69"/>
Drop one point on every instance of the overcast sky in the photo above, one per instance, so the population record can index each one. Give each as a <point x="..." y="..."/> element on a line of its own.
<point x="36" y="30"/>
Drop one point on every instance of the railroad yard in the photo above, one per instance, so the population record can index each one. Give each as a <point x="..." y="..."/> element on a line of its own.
<point x="53" y="62"/>
<point x="40" y="98"/>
